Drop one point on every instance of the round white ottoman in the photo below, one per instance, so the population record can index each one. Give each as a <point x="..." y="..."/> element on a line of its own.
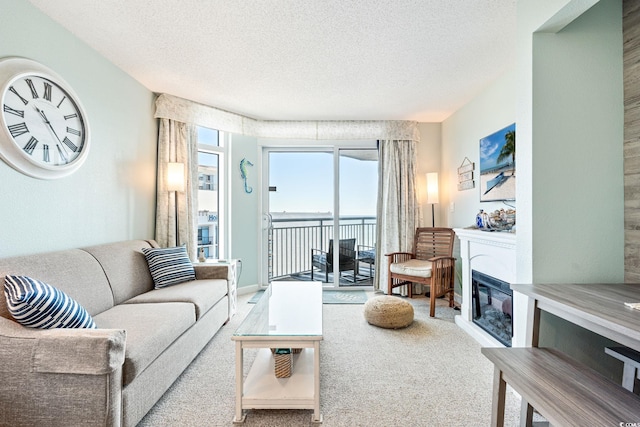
<point x="388" y="312"/>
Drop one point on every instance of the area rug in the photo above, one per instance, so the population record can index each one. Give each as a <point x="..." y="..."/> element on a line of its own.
<point x="330" y="297"/>
<point x="433" y="371"/>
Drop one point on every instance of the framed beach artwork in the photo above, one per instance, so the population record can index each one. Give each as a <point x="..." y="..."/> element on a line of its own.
<point x="498" y="165"/>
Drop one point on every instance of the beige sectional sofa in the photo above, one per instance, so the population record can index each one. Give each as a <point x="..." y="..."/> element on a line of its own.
<point x="112" y="375"/>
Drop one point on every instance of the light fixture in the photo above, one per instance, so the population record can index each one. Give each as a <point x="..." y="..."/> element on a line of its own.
<point x="432" y="194"/>
<point x="175" y="183"/>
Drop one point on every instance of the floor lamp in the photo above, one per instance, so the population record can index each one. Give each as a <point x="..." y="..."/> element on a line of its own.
<point x="432" y="194"/>
<point x="175" y="183"/>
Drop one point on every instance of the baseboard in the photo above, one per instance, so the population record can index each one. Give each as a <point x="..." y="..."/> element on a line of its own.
<point x="249" y="289"/>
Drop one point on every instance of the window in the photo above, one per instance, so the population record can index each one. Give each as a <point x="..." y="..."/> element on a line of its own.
<point x="210" y="197"/>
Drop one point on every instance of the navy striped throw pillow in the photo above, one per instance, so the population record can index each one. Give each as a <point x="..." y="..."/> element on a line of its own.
<point x="36" y="304"/>
<point x="169" y="266"/>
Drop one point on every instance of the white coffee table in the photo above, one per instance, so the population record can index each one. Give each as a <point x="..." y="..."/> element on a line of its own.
<point x="289" y="315"/>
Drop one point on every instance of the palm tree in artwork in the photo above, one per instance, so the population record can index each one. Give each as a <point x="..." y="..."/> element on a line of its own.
<point x="508" y="149"/>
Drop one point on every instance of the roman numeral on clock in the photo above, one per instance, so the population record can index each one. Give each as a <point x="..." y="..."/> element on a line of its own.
<point x="18" y="129"/>
<point x="15" y="92"/>
<point x="47" y="91"/>
<point x="34" y="92"/>
<point x="70" y="144"/>
<point x="61" y="101"/>
<point x="70" y="116"/>
<point x="45" y="153"/>
<point x="73" y="131"/>
<point x="7" y="109"/>
<point x="31" y="145"/>
<point x="62" y="154"/>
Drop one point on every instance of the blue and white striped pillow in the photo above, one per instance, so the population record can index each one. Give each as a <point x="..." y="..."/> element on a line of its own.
<point x="169" y="266"/>
<point x="36" y="304"/>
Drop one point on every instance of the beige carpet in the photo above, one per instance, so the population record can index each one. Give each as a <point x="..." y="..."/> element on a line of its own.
<point x="429" y="374"/>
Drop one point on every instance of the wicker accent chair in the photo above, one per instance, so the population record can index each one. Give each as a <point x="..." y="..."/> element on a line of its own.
<point x="346" y="260"/>
<point x="431" y="263"/>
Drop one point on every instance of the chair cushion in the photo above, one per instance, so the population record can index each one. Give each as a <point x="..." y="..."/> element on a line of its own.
<point x="367" y="256"/>
<point x="36" y="304"/>
<point x="412" y="267"/>
<point x="320" y="259"/>
<point x="388" y="311"/>
<point x="169" y="266"/>
<point x="150" y="328"/>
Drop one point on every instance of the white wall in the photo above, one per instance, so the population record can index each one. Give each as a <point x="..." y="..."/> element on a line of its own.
<point x="578" y="125"/>
<point x="429" y="160"/>
<point x="112" y="196"/>
<point x="490" y="111"/>
<point x="245" y="208"/>
<point x="577" y="190"/>
<point x="533" y="15"/>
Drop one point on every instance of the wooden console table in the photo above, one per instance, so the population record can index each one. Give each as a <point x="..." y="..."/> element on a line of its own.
<point x="564" y="391"/>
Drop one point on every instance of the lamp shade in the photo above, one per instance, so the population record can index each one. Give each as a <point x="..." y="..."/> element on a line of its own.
<point x="175" y="176"/>
<point x="432" y="188"/>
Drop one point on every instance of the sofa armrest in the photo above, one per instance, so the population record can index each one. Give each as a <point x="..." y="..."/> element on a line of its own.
<point x="213" y="271"/>
<point x="64" y="351"/>
<point x="93" y="353"/>
<point x="60" y="377"/>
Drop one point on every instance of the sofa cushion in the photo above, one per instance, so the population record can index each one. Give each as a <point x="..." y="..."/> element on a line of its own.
<point x="169" y="266"/>
<point x="150" y="329"/>
<point x="125" y="266"/>
<point x="73" y="271"/>
<point x="204" y="294"/>
<point x="36" y="304"/>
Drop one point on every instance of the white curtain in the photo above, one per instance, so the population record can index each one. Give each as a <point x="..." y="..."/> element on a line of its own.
<point x="177" y="142"/>
<point x="183" y="110"/>
<point x="398" y="207"/>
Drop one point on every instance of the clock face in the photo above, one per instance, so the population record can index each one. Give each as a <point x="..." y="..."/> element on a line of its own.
<point x="44" y="128"/>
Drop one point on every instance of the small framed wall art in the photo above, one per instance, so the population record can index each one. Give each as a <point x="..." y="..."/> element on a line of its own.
<point x="465" y="175"/>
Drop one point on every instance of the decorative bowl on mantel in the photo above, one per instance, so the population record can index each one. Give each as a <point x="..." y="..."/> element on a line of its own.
<point x="499" y="220"/>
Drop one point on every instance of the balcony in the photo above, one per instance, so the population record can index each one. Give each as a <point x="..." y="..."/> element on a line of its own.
<point x="291" y="240"/>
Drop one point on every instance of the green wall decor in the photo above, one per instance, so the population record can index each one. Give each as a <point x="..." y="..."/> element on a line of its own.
<point x="243" y="173"/>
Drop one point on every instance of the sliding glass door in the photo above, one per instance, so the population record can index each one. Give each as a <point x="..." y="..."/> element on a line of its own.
<point x="357" y="202"/>
<point x="300" y="212"/>
<point x="316" y="197"/>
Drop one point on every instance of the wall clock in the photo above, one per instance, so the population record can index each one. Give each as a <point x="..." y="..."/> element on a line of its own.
<point x="44" y="132"/>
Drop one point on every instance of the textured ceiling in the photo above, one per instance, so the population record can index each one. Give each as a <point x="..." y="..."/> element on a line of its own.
<point x="304" y="59"/>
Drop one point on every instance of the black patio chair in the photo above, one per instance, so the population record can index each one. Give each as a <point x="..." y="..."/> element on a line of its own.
<point x="324" y="260"/>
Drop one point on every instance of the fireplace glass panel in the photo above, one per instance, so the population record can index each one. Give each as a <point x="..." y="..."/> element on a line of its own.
<point x="492" y="302"/>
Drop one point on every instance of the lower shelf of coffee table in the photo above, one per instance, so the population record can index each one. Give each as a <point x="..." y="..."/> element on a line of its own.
<point x="262" y="390"/>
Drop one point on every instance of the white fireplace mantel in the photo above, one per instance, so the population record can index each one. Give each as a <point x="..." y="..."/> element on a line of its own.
<point x="492" y="253"/>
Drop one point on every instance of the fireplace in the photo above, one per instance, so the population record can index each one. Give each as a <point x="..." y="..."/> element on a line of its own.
<point x="492" y="254"/>
<point x="492" y="302"/>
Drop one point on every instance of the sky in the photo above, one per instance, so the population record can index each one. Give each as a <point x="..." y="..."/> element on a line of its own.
<point x="304" y="183"/>
<point x="490" y="147"/>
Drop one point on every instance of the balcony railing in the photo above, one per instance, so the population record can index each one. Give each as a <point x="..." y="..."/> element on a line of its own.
<point x="291" y="240"/>
<point x="205" y="241"/>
